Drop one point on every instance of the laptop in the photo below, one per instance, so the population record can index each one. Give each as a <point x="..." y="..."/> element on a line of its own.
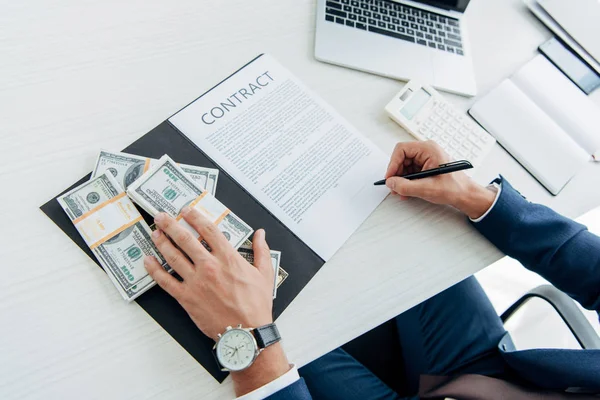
<point x="423" y="40"/>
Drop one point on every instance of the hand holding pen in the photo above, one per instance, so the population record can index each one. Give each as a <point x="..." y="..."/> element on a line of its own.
<point x="423" y="170"/>
<point x="447" y="168"/>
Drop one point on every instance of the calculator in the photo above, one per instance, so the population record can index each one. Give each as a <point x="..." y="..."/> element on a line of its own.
<point x="426" y="115"/>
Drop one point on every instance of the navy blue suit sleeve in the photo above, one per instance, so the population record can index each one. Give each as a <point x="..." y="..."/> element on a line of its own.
<point x="295" y="391"/>
<point x="557" y="248"/>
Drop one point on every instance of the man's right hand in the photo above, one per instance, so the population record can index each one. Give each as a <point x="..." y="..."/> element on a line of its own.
<point x="455" y="189"/>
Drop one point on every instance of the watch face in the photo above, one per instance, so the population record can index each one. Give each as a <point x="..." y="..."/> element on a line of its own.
<point x="236" y="350"/>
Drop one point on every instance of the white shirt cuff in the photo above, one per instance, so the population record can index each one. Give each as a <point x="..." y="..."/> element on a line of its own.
<point x="498" y="189"/>
<point x="274" y="386"/>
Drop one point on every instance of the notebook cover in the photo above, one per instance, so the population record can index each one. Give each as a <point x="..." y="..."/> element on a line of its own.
<point x="296" y="257"/>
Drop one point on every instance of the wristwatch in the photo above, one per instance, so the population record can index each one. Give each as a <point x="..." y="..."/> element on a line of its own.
<point x="237" y="348"/>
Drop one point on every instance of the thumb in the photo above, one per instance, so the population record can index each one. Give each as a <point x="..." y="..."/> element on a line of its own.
<point x="262" y="254"/>
<point x="405" y="187"/>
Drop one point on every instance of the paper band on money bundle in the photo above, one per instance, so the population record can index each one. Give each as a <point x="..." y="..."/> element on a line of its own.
<point x="165" y="187"/>
<point x="127" y="168"/>
<point x="114" y="230"/>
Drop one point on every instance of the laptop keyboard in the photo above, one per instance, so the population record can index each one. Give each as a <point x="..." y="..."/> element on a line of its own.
<point x="398" y="21"/>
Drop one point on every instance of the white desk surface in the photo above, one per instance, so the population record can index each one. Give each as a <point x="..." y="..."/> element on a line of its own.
<point x="79" y="75"/>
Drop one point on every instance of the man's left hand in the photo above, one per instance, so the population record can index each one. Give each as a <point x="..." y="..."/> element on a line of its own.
<point x="219" y="288"/>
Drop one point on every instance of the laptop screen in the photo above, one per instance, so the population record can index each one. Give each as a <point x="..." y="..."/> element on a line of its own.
<point x="457" y="5"/>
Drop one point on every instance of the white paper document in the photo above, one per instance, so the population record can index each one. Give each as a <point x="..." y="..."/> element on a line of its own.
<point x="290" y="150"/>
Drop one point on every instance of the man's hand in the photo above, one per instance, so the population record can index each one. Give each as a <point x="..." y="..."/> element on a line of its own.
<point x="455" y="189"/>
<point x="219" y="288"/>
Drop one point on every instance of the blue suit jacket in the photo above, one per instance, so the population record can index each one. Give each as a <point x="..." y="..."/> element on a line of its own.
<point x="560" y="250"/>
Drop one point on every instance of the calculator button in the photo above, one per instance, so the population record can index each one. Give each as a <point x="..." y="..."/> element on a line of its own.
<point x="455" y="125"/>
<point x="434" y="118"/>
<point x="428" y="124"/>
<point x="464" y="132"/>
<point x="441" y="124"/>
<point x="445" y="137"/>
<point x="442" y="105"/>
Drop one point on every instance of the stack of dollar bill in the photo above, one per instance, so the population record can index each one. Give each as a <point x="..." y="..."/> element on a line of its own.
<point x="128" y="167"/>
<point x="165" y="187"/>
<point x="117" y="234"/>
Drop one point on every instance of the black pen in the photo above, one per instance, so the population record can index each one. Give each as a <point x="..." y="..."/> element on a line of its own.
<point x="442" y="169"/>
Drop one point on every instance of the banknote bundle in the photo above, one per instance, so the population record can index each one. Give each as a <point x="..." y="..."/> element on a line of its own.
<point x="115" y="232"/>
<point x="246" y="251"/>
<point x="165" y="187"/>
<point x="113" y="228"/>
<point x="128" y="167"/>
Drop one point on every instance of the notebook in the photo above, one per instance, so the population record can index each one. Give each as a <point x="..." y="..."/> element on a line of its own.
<point x="544" y="121"/>
<point x="288" y="163"/>
<point x="580" y="19"/>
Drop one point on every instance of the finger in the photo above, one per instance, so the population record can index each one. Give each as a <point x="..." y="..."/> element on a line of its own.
<point x="163" y="278"/>
<point x="407" y="188"/>
<point x="181" y="236"/>
<point x="397" y="161"/>
<point x="262" y="254"/>
<point x="207" y="230"/>
<point x="172" y="255"/>
<point x="405" y="155"/>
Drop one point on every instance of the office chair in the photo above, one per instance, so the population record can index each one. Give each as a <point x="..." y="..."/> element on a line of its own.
<point x="566" y="308"/>
<point x="384" y="362"/>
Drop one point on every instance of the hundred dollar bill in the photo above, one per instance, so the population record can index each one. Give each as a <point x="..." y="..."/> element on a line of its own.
<point x="167" y="188"/>
<point x="115" y="232"/>
<point x="126" y="168"/>
<point x="246" y="251"/>
<point x="203" y="177"/>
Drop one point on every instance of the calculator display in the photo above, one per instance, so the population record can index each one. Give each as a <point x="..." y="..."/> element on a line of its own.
<point x="416" y="102"/>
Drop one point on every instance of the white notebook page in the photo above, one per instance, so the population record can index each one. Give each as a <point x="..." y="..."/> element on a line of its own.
<point x="530" y="135"/>
<point x="570" y="108"/>
<point x="290" y="150"/>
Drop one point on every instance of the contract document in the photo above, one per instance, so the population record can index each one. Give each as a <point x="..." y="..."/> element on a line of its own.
<point x="290" y="150"/>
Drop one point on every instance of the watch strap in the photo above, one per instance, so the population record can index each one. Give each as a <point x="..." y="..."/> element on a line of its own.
<point x="266" y="335"/>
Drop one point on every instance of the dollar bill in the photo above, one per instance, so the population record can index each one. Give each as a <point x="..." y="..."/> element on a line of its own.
<point x="281" y="276"/>
<point x="246" y="251"/>
<point x="211" y="184"/>
<point x="127" y="168"/>
<point x="115" y="232"/>
<point x="167" y="188"/>
<point x="203" y="177"/>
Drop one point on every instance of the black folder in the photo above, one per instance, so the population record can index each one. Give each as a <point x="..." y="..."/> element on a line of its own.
<point x="301" y="262"/>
